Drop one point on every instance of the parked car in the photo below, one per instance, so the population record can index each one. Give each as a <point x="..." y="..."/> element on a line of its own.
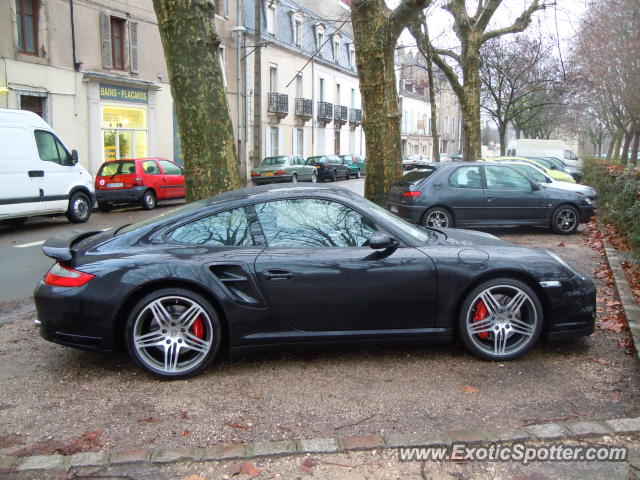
<point x="575" y="172"/>
<point x="484" y="194"/>
<point x="38" y="173"/>
<point x="548" y="168"/>
<point x="356" y="163"/>
<point x="267" y="267"/>
<point x="283" y="168"/>
<point x="138" y="180"/>
<point x="537" y="174"/>
<point x="409" y="162"/>
<point x="544" y="148"/>
<point x="329" y="167"/>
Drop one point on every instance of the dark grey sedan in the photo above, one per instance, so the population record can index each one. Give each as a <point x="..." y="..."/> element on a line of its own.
<point x="479" y="194"/>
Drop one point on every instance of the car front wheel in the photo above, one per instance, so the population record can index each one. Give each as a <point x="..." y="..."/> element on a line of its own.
<point x="314" y="177"/>
<point x="294" y="178"/>
<point x="501" y="319"/>
<point x="358" y="174"/>
<point x="79" y="209"/>
<point x="173" y="333"/>
<point x="149" y="200"/>
<point x="565" y="220"/>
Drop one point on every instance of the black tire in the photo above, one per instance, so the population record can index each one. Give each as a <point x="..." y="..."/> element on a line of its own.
<point x="294" y="178"/>
<point x="149" y="200"/>
<point x="531" y="314"/>
<point x="104" y="207"/>
<point x="438" y="217"/>
<point x="565" y="220"/>
<point x="334" y="177"/>
<point x="314" y="177"/>
<point x="347" y="175"/>
<point x="358" y="174"/>
<point x="15" y="222"/>
<point x="148" y="358"/>
<point x="79" y="209"/>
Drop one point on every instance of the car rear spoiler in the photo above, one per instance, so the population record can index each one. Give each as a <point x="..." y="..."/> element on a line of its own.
<point x="59" y="248"/>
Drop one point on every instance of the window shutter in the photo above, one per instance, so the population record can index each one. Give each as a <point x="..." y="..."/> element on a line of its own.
<point x="133" y="46"/>
<point x="105" y="30"/>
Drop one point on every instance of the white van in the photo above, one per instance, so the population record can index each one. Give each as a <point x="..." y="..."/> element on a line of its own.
<point x="38" y="174"/>
<point x="543" y="148"/>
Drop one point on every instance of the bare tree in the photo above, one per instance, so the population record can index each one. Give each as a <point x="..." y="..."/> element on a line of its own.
<point x="472" y="34"/>
<point x="191" y="44"/>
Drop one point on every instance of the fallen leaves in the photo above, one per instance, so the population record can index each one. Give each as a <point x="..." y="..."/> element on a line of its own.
<point x="246" y="468"/>
<point x="12" y="440"/>
<point x="87" y="442"/>
<point x="307" y="465"/>
<point x="469" y="389"/>
<point x="186" y="433"/>
<point x="147" y="420"/>
<point x="597" y="360"/>
<point x="194" y="476"/>
<point x="239" y="425"/>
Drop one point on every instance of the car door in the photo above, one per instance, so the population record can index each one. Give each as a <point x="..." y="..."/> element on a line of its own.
<point x="320" y="274"/>
<point x="462" y="192"/>
<point x="512" y="197"/>
<point x="153" y="177"/>
<point x="173" y="179"/>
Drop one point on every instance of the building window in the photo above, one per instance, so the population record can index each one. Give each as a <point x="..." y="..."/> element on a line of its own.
<point x="271" y="19"/>
<point x="299" y="86"/>
<point x="299" y="142"/>
<point x="117" y="43"/>
<point x="352" y="57"/>
<point x="336" y="141"/>
<point x="273" y="78"/>
<point x="222" y="65"/>
<point x="319" y="39"/>
<point x="222" y="8"/>
<point x="32" y="104"/>
<point x="274" y="141"/>
<point x="337" y="99"/>
<point x="321" y="90"/>
<point x="124" y="132"/>
<point x="336" y="48"/>
<point x="353" y="98"/>
<point x="297" y="32"/>
<point x="27" y="20"/>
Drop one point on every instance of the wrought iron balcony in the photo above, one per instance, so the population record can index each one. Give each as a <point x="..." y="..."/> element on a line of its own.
<point x="278" y="104"/>
<point x="325" y="112"/>
<point x="340" y="114"/>
<point x="304" y="108"/>
<point x="355" y="116"/>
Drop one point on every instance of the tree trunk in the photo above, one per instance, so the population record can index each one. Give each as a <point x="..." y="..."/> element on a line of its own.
<point x="432" y="103"/>
<point x="628" y="136"/>
<point x="191" y="43"/>
<point x="615" y="149"/>
<point x="375" y="49"/>
<point x="502" y="133"/>
<point x="634" y="150"/>
<point x="471" y="106"/>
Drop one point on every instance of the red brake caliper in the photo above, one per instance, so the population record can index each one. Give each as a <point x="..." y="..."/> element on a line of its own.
<point x="198" y="328"/>
<point x="481" y="314"/>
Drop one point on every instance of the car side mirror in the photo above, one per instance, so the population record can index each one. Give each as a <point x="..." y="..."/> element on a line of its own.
<point x="535" y="186"/>
<point x="74" y="156"/>
<point x="381" y="240"/>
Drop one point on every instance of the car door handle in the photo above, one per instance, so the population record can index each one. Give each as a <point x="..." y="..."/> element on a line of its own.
<point x="36" y="173"/>
<point x="277" y="275"/>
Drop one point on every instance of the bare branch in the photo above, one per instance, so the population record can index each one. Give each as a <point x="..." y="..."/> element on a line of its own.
<point x="519" y="25"/>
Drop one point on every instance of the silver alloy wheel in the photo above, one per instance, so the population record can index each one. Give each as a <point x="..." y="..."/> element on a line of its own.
<point x="437" y="218"/>
<point x="508" y="324"/>
<point x="566" y="220"/>
<point x="314" y="177"/>
<point x="358" y="174"/>
<point x="80" y="207"/>
<point x="149" y="200"/>
<point x="294" y="178"/>
<point x="165" y="338"/>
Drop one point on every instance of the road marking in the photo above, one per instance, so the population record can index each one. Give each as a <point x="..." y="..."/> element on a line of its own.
<point x="32" y="244"/>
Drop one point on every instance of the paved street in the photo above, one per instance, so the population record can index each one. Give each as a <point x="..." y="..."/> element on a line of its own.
<point x="52" y="392"/>
<point x="21" y="247"/>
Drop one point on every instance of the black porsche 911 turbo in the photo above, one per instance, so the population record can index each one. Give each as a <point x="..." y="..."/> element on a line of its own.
<point x="283" y="264"/>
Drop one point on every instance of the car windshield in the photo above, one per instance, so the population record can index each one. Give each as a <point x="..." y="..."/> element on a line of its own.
<point x="420" y="234"/>
<point x="314" y="160"/>
<point x="346" y="157"/>
<point x="531" y="172"/>
<point x="190" y="207"/>
<point x="116" y="168"/>
<point x="542" y="161"/>
<point x="273" y="161"/>
<point x="414" y="176"/>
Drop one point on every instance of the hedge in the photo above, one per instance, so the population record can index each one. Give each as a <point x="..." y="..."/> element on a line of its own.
<point x="618" y="196"/>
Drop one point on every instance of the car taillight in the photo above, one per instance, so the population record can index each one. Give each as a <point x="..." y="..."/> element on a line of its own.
<point x="255" y="174"/>
<point x="61" y="276"/>
<point x="412" y="194"/>
<point x="280" y="172"/>
<point x="137" y="182"/>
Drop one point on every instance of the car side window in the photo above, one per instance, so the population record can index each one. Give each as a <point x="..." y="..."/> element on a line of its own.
<point x="170" y="168"/>
<point x="505" y="178"/>
<point x="313" y="223"/>
<point x="225" y="229"/>
<point x="50" y="149"/>
<point x="466" y="177"/>
<point x="150" y="168"/>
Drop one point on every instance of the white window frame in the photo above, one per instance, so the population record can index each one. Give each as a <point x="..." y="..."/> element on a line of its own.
<point x="337" y="40"/>
<point x="271" y="18"/>
<point x="319" y="39"/>
<point x="352" y="56"/>
<point x="297" y="29"/>
<point x="221" y="57"/>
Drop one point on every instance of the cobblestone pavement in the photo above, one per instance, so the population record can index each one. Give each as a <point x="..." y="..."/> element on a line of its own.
<point x="51" y="395"/>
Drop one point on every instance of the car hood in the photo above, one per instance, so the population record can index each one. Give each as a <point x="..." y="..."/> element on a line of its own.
<point x="573" y="187"/>
<point x="462" y="237"/>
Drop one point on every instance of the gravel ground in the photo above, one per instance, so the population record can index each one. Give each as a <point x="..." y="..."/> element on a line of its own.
<point x="50" y="392"/>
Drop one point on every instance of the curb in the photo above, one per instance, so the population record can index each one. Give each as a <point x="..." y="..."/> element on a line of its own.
<point x="533" y="433"/>
<point x="629" y="305"/>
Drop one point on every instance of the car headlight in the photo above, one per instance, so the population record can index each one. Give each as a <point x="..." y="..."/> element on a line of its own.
<point x="588" y="200"/>
<point x="561" y="262"/>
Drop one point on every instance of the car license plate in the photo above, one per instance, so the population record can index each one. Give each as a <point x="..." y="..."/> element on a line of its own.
<point x="394" y="209"/>
<point x="115" y="185"/>
<point x="268" y="174"/>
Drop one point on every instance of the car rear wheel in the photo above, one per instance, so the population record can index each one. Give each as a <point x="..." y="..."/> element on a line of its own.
<point x="314" y="177"/>
<point x="173" y="333"/>
<point x="347" y="175"/>
<point x="500" y="319"/>
<point x="149" y="200"/>
<point x="334" y="177"/>
<point x="358" y="174"/>
<point x="79" y="209"/>
<point x="565" y="220"/>
<point x="294" y="178"/>
<point x="437" y="217"/>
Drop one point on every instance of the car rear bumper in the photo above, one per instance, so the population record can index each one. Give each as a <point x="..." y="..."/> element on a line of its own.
<point x="413" y="213"/>
<point x="273" y="179"/>
<point x="82" y="317"/>
<point x="121" y="195"/>
<point x="571" y="308"/>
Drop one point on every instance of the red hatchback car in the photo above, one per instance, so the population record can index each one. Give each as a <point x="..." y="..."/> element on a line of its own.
<point x="138" y="180"/>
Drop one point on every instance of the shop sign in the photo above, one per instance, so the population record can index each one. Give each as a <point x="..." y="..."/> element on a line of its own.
<point x="123" y="94"/>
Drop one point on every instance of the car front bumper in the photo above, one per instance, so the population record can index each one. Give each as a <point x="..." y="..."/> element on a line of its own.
<point x="571" y="308"/>
<point x="121" y="195"/>
<point x="586" y="212"/>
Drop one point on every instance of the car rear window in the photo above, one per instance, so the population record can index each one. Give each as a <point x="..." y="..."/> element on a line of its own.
<point x="414" y="176"/>
<point x="116" y="168"/>
<point x="314" y="160"/>
<point x="274" y="161"/>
